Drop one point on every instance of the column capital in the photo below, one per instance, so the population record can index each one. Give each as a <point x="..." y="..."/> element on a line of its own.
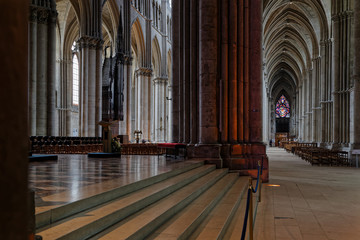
<point x="128" y="59"/>
<point x="33" y="14"/>
<point x="342" y="15"/>
<point x="43" y="15"/>
<point x="90" y="42"/>
<point x="143" y="71"/>
<point x="160" y="80"/>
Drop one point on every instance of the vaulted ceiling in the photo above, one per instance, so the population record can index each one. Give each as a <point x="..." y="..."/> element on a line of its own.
<point x="292" y="33"/>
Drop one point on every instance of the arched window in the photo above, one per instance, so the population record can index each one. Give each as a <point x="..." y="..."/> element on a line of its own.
<point x="282" y="108"/>
<point x="75" y="80"/>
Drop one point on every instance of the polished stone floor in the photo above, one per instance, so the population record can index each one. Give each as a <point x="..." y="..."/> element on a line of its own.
<point x="73" y="177"/>
<point x="308" y="202"/>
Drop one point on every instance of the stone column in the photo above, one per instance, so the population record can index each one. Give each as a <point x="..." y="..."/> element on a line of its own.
<point x="186" y="70"/>
<point x="224" y="81"/>
<point x="90" y="85"/>
<point x="322" y="137"/>
<point x="42" y="74"/>
<point x="33" y="69"/>
<point x="342" y="21"/>
<point x="356" y="77"/>
<point x="208" y="132"/>
<point x="98" y="90"/>
<point x="232" y="77"/>
<point x="175" y="68"/>
<point x="194" y="72"/>
<point x="255" y="68"/>
<point x="67" y="100"/>
<point x="51" y="101"/>
<point x="160" y="111"/>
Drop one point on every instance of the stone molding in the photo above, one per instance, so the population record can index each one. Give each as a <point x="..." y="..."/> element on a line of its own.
<point x="160" y="80"/>
<point x="90" y="42"/>
<point x="128" y="59"/>
<point x="33" y="14"/>
<point x="42" y="15"/>
<point x="342" y="15"/>
<point x="143" y="71"/>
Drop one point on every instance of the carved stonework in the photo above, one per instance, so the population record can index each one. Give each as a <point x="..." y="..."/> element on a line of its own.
<point x="90" y="42"/>
<point x="160" y="80"/>
<point x="128" y="60"/>
<point x="144" y="72"/>
<point x="33" y="14"/>
<point x="43" y="15"/>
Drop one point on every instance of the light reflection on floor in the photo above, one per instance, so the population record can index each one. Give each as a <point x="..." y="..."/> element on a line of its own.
<point x="74" y="177"/>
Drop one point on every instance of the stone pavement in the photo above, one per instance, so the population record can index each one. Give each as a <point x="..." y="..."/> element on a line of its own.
<point x="308" y="202"/>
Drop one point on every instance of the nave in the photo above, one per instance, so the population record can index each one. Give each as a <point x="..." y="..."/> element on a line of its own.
<point x="308" y="202"/>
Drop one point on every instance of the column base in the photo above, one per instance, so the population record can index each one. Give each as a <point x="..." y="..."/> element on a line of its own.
<point x="244" y="158"/>
<point x="208" y="152"/>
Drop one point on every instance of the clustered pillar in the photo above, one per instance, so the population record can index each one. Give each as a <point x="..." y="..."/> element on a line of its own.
<point x="356" y="78"/>
<point x="342" y="30"/>
<point x="42" y="104"/>
<point x="217" y="103"/>
<point x="91" y="85"/>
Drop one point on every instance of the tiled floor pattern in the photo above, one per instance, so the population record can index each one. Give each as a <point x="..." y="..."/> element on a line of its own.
<point x="74" y="177"/>
<point x="310" y="203"/>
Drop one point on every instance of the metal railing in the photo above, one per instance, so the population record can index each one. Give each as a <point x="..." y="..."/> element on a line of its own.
<point x="249" y="203"/>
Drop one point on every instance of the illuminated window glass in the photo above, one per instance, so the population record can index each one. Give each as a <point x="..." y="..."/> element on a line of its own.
<point x="282" y="108"/>
<point x="75" y="80"/>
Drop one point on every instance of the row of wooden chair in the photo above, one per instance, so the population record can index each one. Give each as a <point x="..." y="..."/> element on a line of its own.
<point x="62" y="145"/>
<point x="317" y="155"/>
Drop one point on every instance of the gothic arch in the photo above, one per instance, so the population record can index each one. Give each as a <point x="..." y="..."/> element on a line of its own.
<point x="138" y="42"/>
<point x="156" y="57"/>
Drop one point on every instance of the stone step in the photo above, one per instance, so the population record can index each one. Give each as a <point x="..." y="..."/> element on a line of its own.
<point x="185" y="222"/>
<point x="234" y="230"/>
<point x="146" y="221"/>
<point x="51" y="216"/>
<point x="87" y="223"/>
<point x="216" y="224"/>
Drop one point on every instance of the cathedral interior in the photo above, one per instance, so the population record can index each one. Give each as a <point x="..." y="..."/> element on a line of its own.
<point x="226" y="88"/>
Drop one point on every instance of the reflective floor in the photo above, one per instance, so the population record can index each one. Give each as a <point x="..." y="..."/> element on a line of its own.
<point x="74" y="177"/>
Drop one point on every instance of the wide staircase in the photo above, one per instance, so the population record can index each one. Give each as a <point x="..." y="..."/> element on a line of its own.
<point x="196" y="202"/>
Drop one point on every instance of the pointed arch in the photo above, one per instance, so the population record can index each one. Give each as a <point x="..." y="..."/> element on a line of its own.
<point x="138" y="42"/>
<point x="156" y="56"/>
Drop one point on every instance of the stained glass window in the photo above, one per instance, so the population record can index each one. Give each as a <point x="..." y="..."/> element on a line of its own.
<point x="282" y="108"/>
